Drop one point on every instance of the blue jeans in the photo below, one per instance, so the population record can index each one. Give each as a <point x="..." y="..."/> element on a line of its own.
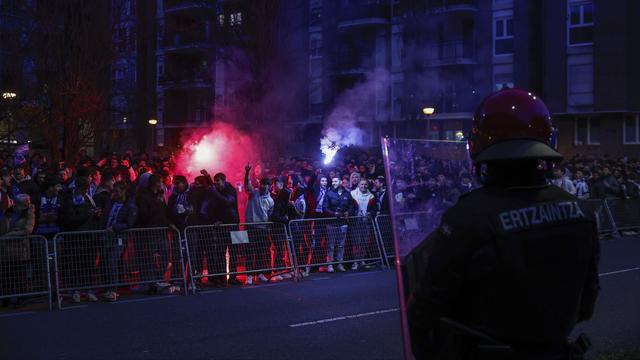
<point x="336" y="234"/>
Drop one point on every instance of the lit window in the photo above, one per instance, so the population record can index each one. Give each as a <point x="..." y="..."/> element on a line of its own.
<point x="631" y="130"/>
<point x="503" y="35"/>
<point x="580" y="23"/>
<point x="221" y="19"/>
<point x="235" y="19"/>
<point x="587" y="131"/>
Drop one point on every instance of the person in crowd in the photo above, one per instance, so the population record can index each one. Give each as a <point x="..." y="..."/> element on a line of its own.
<point x="179" y="204"/>
<point x="96" y="181"/>
<point x="382" y="201"/>
<point x="581" y="185"/>
<point x="562" y="181"/>
<point x="48" y="216"/>
<point x="152" y="213"/>
<point x="15" y="253"/>
<point x="224" y="207"/>
<point x="167" y="183"/>
<point x="80" y="213"/>
<point x="630" y="186"/>
<point x="354" y="180"/>
<point x="365" y="205"/>
<point x="259" y="209"/>
<point x="611" y="185"/>
<point x="338" y="203"/>
<point x="64" y="177"/>
<point x="23" y="184"/>
<point x="120" y="215"/>
<point x="102" y="193"/>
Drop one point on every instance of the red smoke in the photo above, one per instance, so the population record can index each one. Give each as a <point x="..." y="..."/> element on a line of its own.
<point x="222" y="148"/>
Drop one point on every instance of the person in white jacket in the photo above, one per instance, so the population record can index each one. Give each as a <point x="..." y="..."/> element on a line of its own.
<point x="562" y="181"/>
<point x="365" y="202"/>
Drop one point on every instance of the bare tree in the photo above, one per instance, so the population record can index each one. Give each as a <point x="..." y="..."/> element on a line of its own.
<point x="70" y="43"/>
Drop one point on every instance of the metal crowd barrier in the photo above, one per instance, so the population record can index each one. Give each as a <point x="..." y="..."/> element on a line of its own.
<point x="350" y="242"/>
<point x="606" y="222"/>
<point x="253" y="249"/>
<point x="625" y="213"/>
<point x="92" y="260"/>
<point x="412" y="228"/>
<point x="24" y="267"/>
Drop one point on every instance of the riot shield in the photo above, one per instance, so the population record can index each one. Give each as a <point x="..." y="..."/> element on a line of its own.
<point x="424" y="179"/>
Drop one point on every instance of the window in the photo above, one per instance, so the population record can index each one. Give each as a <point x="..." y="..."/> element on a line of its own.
<point x="503" y="35"/>
<point x="503" y="81"/>
<point x="315" y="91"/>
<point x="631" y="130"/>
<point x="221" y="19"/>
<point x="587" y="131"/>
<point x="315" y="45"/>
<point x="315" y="12"/>
<point x="235" y="19"/>
<point x="580" y="24"/>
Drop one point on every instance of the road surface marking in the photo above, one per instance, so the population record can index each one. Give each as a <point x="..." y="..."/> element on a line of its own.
<point x="17" y="314"/>
<point x="362" y="273"/>
<point x="619" y="271"/>
<point x="144" y="299"/>
<point x="346" y="317"/>
<point x="209" y="291"/>
<point x="74" y="307"/>
<point x="263" y="286"/>
<point x="320" y="278"/>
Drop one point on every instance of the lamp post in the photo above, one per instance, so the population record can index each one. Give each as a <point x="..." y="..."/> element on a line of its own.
<point x="428" y="111"/>
<point x="153" y="123"/>
<point x="9" y="96"/>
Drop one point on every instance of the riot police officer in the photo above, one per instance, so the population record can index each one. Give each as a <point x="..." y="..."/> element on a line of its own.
<point x="513" y="266"/>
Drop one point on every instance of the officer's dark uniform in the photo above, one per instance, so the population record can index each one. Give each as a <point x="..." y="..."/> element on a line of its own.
<point x="516" y="263"/>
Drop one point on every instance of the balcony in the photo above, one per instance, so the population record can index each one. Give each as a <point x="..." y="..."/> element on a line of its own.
<point x="451" y="53"/>
<point x="186" y="41"/>
<point x="186" y="79"/>
<point x="363" y="14"/>
<point x="449" y="6"/>
<point x="194" y="6"/>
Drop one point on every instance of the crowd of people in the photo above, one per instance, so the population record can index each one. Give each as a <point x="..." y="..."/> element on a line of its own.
<point x="117" y="192"/>
<point x="598" y="177"/>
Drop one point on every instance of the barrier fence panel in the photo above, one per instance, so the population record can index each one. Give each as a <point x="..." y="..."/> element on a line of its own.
<point x="384" y="229"/>
<point x="102" y="260"/>
<point x="606" y="222"/>
<point x="24" y="267"/>
<point x="625" y="213"/>
<point x="253" y="249"/>
<point x="346" y="242"/>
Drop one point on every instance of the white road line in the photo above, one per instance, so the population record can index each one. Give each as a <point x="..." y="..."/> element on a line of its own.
<point x="209" y="292"/>
<point x="362" y="273"/>
<point x="144" y="299"/>
<point x="346" y="317"/>
<point x="17" y="314"/>
<point x="74" y="307"/>
<point x="619" y="271"/>
<point x="263" y="286"/>
<point x="320" y="278"/>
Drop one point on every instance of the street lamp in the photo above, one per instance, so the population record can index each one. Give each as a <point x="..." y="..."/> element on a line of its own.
<point x="9" y="95"/>
<point x="428" y="110"/>
<point x="153" y="123"/>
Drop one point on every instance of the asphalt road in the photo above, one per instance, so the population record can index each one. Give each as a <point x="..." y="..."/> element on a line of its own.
<point x="327" y="316"/>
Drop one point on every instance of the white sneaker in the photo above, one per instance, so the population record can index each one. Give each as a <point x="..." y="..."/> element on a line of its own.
<point x="276" y="278"/>
<point x="305" y="273"/>
<point x="330" y="268"/>
<point x="249" y="280"/>
<point x="354" y="266"/>
<point x="286" y="276"/>
<point x="110" y="296"/>
<point x="92" y="297"/>
<point x="341" y="268"/>
<point x="263" y="278"/>
<point x="75" y="298"/>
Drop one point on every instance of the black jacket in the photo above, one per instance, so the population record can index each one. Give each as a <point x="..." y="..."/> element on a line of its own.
<point x="126" y="218"/>
<point x="152" y="211"/>
<point x="524" y="270"/>
<point x="338" y="202"/>
<point x="224" y="204"/>
<point x="184" y="219"/>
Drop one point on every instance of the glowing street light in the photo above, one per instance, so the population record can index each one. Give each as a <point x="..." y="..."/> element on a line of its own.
<point x="428" y="110"/>
<point x="9" y="95"/>
<point x="153" y="121"/>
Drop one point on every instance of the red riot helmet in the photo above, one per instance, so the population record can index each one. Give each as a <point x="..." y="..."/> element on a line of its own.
<point x="511" y="124"/>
